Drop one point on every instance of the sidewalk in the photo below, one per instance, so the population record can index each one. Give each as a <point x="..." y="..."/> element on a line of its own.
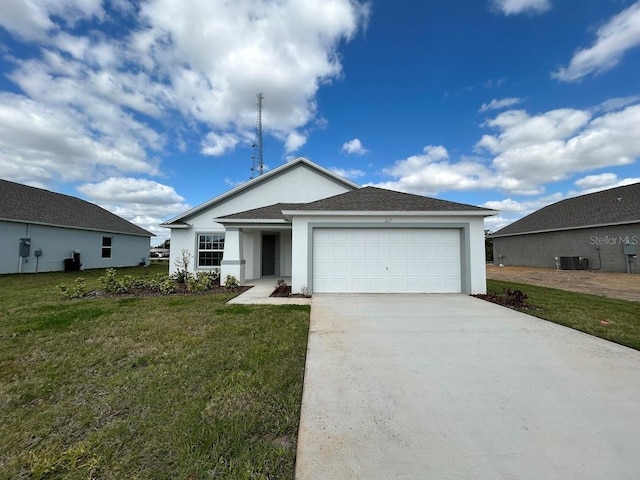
<point x="262" y="288"/>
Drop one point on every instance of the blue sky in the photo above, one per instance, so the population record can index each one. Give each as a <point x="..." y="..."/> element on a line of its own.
<point x="148" y="108"/>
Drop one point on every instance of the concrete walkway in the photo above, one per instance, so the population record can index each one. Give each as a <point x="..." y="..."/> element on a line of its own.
<point x="262" y="288"/>
<point x="452" y="387"/>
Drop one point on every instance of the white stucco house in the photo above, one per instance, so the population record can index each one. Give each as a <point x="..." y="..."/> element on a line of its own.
<point x="44" y="231"/>
<point x="331" y="235"/>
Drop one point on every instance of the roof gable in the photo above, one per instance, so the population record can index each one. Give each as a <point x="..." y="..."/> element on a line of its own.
<point x="21" y="203"/>
<point x="613" y="206"/>
<point x="259" y="181"/>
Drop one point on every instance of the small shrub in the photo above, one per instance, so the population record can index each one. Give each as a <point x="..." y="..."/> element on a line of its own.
<point x="162" y="283"/>
<point x="114" y="285"/>
<point x="512" y="298"/>
<point x="304" y="291"/>
<point x="182" y="263"/>
<point x="515" y="298"/>
<point x="77" y="290"/>
<point x="281" y="289"/>
<point x="231" y="282"/>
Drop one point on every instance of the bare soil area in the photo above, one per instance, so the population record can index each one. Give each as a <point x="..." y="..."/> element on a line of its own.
<point x="615" y="285"/>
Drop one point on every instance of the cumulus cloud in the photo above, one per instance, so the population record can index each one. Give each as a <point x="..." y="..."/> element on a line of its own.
<point x="143" y="202"/>
<point x="218" y="144"/>
<point x="49" y="142"/>
<point x="351" y="173"/>
<point x="100" y="102"/>
<point x="294" y="141"/>
<point x="354" y="147"/>
<point x="525" y="153"/>
<point x="514" y="7"/>
<point x="600" y="180"/>
<point x="620" y="34"/>
<point x="496" y="104"/>
<point x="433" y="171"/>
<point x="603" y="181"/>
<point x="553" y="145"/>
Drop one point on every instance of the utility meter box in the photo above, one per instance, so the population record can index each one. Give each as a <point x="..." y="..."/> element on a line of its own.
<point x="629" y="249"/>
<point x="37" y="252"/>
<point x="25" y="247"/>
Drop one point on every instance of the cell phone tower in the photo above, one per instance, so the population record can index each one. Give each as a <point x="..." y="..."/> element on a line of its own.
<point x="257" y="166"/>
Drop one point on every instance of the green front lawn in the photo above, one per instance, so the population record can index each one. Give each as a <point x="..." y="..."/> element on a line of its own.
<point x="181" y="387"/>
<point x="608" y="318"/>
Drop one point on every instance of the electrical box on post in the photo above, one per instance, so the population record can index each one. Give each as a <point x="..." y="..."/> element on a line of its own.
<point x="25" y="247"/>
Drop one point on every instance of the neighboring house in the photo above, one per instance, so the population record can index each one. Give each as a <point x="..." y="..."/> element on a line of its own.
<point x="305" y="222"/>
<point x="602" y="228"/>
<point x="43" y="231"/>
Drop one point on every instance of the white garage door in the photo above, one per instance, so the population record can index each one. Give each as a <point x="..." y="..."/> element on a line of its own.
<point x="386" y="260"/>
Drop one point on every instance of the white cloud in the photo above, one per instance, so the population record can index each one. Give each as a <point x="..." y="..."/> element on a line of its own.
<point x="102" y="103"/>
<point x="618" y="103"/>
<point x="513" y="7"/>
<point x="294" y="141"/>
<point x="433" y="171"/>
<point x="144" y="202"/>
<point x="553" y="145"/>
<point x="354" y="147"/>
<point x="613" y="39"/>
<point x="506" y="205"/>
<point x="219" y="54"/>
<point x="48" y="142"/>
<point x="526" y="153"/>
<point x="218" y="144"/>
<point x="603" y="181"/>
<point x="496" y="104"/>
<point x="348" y="173"/>
<point x="32" y="19"/>
<point x="98" y="105"/>
<point x="600" y="180"/>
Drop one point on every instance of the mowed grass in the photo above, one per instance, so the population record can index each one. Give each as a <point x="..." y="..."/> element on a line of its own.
<point x="608" y="318"/>
<point x="181" y="387"/>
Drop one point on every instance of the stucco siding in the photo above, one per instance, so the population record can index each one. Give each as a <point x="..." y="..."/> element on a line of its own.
<point x="540" y="249"/>
<point x="58" y="243"/>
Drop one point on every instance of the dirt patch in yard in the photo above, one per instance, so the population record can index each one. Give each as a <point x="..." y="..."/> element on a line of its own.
<point x="615" y="285"/>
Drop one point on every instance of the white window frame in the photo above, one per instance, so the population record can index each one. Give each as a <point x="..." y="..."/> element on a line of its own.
<point x="105" y="248"/>
<point x="216" y="245"/>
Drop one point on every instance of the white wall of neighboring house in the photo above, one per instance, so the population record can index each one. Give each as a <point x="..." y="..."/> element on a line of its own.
<point x="58" y="243"/>
<point x="301" y="184"/>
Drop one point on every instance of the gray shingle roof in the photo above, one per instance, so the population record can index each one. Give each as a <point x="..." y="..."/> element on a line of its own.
<point x="365" y="199"/>
<point x="616" y="205"/>
<point x="34" y="205"/>
<point x="372" y="199"/>
<point x="270" y="212"/>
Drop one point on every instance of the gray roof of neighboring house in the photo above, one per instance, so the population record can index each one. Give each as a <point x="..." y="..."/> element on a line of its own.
<point x="365" y="199"/>
<point x="21" y="203"/>
<point x="613" y="206"/>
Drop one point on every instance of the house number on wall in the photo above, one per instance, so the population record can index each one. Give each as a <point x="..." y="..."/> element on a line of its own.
<point x="388" y="220"/>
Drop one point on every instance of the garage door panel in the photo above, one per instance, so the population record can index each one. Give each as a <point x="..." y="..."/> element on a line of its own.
<point x="386" y="260"/>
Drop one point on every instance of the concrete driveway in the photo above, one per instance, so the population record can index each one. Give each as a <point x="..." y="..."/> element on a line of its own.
<point x="452" y="387"/>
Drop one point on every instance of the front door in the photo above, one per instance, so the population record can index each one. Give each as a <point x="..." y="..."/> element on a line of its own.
<point x="269" y="254"/>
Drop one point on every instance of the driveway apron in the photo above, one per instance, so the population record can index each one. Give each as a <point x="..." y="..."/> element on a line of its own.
<point x="452" y="387"/>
